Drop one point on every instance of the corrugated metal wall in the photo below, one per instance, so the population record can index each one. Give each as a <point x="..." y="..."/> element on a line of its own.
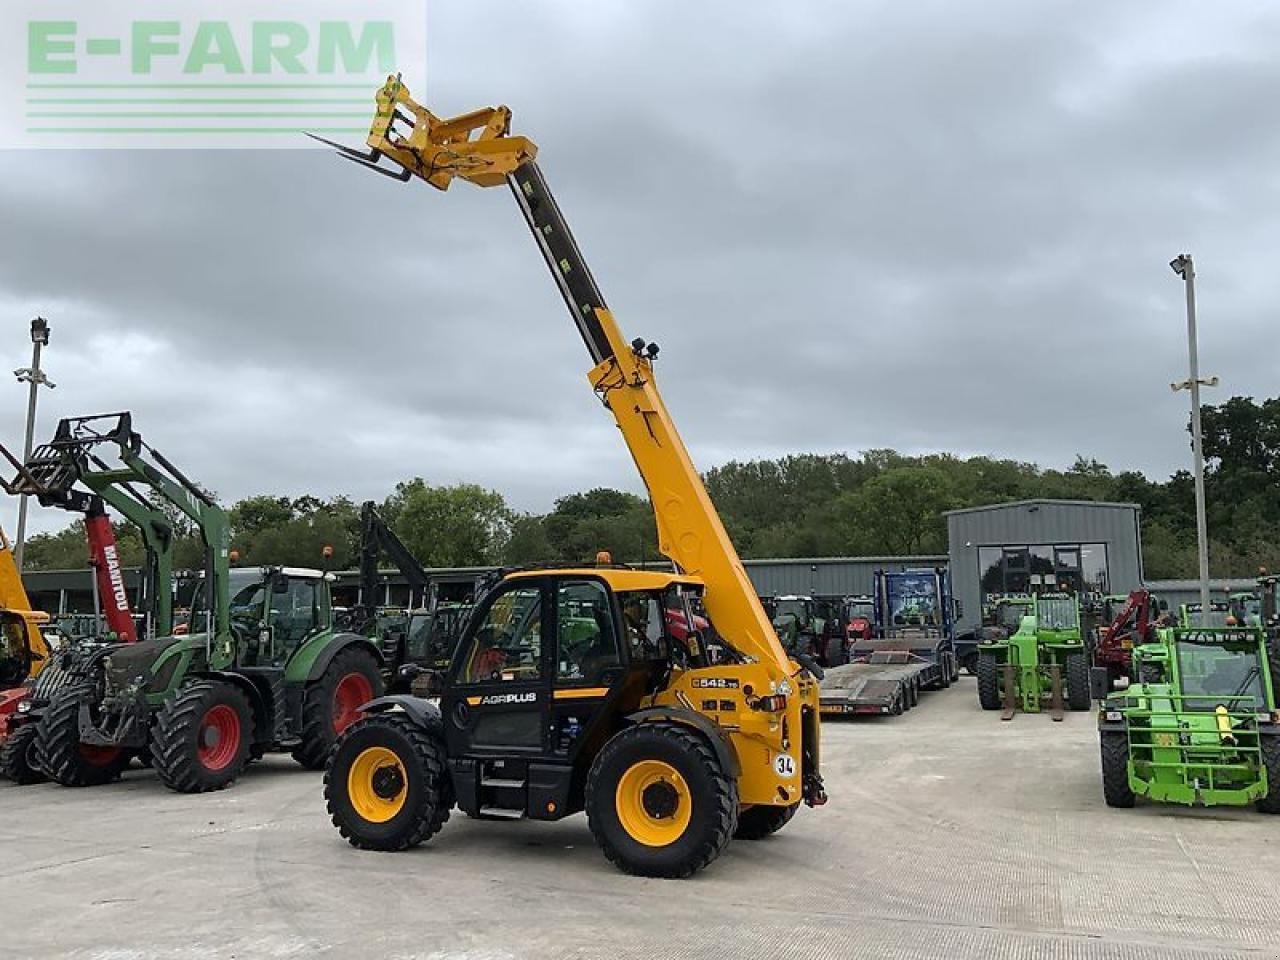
<point x="1040" y="522"/>
<point x="833" y="576"/>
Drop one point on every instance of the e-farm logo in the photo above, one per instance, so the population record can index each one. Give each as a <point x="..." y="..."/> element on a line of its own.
<point x="199" y="73"/>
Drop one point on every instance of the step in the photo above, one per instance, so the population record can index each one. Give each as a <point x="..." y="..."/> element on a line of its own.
<point x="501" y="783"/>
<point x="502" y="813"/>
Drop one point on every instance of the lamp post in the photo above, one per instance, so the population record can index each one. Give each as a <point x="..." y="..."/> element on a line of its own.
<point x="1183" y="267"/>
<point x="34" y="376"/>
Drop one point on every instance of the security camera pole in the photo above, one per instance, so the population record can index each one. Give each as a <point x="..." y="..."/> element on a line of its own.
<point x="34" y="376"/>
<point x="1184" y="268"/>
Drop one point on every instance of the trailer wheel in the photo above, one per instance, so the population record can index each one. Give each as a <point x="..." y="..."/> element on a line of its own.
<point x="896" y="706"/>
<point x="988" y="681"/>
<point x="58" y="748"/>
<point x="385" y="784"/>
<point x="1115" y="770"/>
<point x="1078" y="696"/>
<point x="1271" y="764"/>
<point x="913" y="692"/>
<point x="758" y="822"/>
<point x="658" y="802"/>
<point x="201" y="736"/>
<point x="18" y="756"/>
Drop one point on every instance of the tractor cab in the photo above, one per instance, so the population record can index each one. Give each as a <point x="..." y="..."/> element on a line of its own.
<point x="23" y="648"/>
<point x="1004" y="615"/>
<point x="276" y="610"/>
<point x="549" y="665"/>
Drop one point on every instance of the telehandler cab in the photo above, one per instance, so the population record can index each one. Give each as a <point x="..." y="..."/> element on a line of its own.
<point x="570" y="689"/>
<point x="261" y="667"/>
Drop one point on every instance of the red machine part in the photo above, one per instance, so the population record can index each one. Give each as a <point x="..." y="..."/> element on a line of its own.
<point x="105" y="560"/>
<point x="1132" y="626"/>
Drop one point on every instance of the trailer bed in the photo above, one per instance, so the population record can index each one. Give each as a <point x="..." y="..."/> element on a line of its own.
<point x="885" y="677"/>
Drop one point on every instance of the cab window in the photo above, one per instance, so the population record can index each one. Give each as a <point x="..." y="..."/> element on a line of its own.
<point x="507" y="644"/>
<point x="587" y="644"/>
<point x="644" y="620"/>
<point x="295" y="611"/>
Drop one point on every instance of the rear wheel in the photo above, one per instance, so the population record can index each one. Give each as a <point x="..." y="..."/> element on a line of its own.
<point x="18" y="756"/>
<point x="658" y="802"/>
<point x="1271" y="764"/>
<point x="332" y="703"/>
<point x="1115" y="770"/>
<point x="1078" y="696"/>
<point x="201" y="737"/>
<point x="385" y="784"/>
<point x="58" y="748"/>
<point x="758" y="822"/>
<point x="988" y="681"/>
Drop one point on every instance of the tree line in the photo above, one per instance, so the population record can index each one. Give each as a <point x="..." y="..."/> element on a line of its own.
<point x="806" y="505"/>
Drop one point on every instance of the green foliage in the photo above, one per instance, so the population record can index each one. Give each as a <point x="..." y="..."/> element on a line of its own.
<point x="458" y="526"/>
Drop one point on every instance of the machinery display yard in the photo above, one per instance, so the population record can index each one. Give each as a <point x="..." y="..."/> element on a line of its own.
<point x="948" y="834"/>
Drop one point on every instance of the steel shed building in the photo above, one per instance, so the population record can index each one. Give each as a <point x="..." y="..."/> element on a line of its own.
<point x="1082" y="545"/>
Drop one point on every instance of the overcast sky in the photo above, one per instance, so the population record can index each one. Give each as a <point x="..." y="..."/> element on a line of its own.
<point x="926" y="226"/>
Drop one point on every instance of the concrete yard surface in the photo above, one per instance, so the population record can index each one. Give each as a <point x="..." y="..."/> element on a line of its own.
<point x="949" y="835"/>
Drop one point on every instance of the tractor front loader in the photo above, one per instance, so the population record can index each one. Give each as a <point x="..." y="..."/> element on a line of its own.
<point x="588" y="689"/>
<point x="1200" y="727"/>
<point x="1042" y="663"/>
<point x="260" y="669"/>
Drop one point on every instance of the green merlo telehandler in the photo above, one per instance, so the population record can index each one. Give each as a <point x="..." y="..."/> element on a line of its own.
<point x="1200" y="728"/>
<point x="1044" y="659"/>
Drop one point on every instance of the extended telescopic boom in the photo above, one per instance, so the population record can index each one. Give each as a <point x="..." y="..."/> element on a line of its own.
<point x="478" y="147"/>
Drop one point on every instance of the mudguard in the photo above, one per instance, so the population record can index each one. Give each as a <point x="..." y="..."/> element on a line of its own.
<point x="308" y="666"/>
<point x="422" y="712"/>
<point x="725" y="753"/>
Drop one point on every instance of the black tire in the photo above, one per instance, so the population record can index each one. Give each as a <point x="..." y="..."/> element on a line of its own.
<point x="988" y="681"/>
<point x="1271" y="764"/>
<point x="970" y="664"/>
<point x="897" y="706"/>
<point x="712" y="797"/>
<point x="190" y="752"/>
<point x="758" y="822"/>
<point x="424" y="793"/>
<point x="1115" y="770"/>
<point x="60" y="753"/>
<point x="319" y="732"/>
<point x="18" y="756"/>
<point x="955" y="666"/>
<point x="1077" y="677"/>
<point x="915" y="691"/>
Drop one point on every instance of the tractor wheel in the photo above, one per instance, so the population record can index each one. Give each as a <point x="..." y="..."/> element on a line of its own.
<point x="1271" y="764"/>
<point x="385" y="784"/>
<point x="18" y="756"/>
<point x="59" y="751"/>
<point x="332" y="703"/>
<point x="658" y="802"/>
<point x="758" y="822"/>
<point x="1078" y="696"/>
<point x="954" y="667"/>
<point x="200" y="740"/>
<point x="1115" y="770"/>
<point x="988" y="681"/>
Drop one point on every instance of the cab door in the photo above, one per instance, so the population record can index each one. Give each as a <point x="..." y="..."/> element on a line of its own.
<point x="496" y="704"/>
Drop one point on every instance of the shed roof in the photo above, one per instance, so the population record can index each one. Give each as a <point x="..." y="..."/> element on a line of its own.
<point x="1043" y="501"/>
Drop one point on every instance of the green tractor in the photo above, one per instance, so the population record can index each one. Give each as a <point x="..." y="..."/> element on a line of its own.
<point x="1201" y="727"/>
<point x="1043" y="659"/>
<point x="260" y="667"/>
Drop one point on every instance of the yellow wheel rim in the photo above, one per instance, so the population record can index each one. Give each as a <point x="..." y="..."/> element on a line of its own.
<point x="377" y="784"/>
<point x="653" y="803"/>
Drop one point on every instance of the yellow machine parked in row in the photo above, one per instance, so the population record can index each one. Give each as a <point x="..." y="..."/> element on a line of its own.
<point x="662" y="704"/>
<point x="23" y="649"/>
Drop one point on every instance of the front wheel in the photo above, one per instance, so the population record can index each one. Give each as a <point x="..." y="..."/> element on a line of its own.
<point x="385" y="784"/>
<point x="332" y="703"/>
<point x="18" y="756"/>
<point x="1078" y="695"/>
<point x="201" y="737"/>
<point x="61" y="754"/>
<point x="1271" y="765"/>
<point x="988" y="681"/>
<point x="658" y="802"/>
<point x="1115" y="770"/>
